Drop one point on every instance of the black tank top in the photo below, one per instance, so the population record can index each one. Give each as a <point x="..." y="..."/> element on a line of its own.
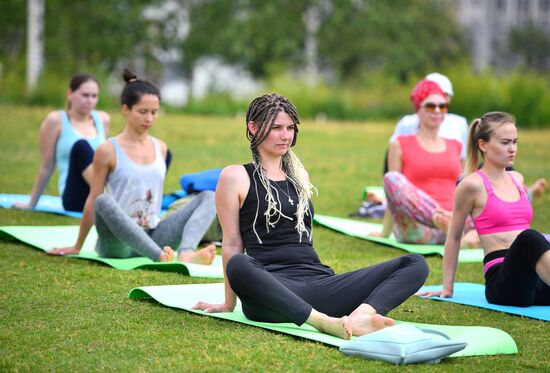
<point x="281" y="245"/>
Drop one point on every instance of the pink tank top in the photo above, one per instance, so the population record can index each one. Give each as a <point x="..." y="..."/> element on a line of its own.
<point x="434" y="173"/>
<point x="502" y="216"/>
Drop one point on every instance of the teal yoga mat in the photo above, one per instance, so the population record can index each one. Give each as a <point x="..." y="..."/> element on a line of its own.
<point x="48" y="237"/>
<point x="46" y="203"/>
<point x="360" y="229"/>
<point x="481" y="340"/>
<point x="470" y="294"/>
<point x="53" y="204"/>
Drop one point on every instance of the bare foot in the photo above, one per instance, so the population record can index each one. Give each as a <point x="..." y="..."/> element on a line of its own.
<point x="167" y="254"/>
<point x="338" y="327"/>
<point x="205" y="255"/>
<point x="374" y="198"/>
<point x="538" y="188"/>
<point x="362" y="324"/>
<point x="442" y="219"/>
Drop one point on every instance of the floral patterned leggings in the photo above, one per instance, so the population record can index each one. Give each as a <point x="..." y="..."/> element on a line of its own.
<point x="413" y="212"/>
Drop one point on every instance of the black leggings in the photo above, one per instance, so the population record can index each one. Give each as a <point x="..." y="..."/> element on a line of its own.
<point x="76" y="188"/>
<point x="515" y="282"/>
<point x="288" y="295"/>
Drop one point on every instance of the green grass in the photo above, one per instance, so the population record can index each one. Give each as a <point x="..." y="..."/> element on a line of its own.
<point x="60" y="314"/>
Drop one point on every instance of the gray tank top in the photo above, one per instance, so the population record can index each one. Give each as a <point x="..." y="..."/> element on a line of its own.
<point x="138" y="187"/>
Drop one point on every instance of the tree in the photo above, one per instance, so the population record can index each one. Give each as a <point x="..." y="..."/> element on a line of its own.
<point x="533" y="44"/>
<point x="35" y="42"/>
<point x="95" y="34"/>
<point x="401" y="37"/>
<point x="12" y="31"/>
<point x="257" y="34"/>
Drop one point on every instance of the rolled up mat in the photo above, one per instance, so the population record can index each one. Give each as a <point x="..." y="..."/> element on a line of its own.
<point x="480" y="340"/>
<point x="360" y="229"/>
<point x="49" y="237"/>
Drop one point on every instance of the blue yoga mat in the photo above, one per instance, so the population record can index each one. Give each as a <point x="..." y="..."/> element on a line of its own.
<point x="470" y="294"/>
<point x="46" y="203"/>
<point x="54" y="205"/>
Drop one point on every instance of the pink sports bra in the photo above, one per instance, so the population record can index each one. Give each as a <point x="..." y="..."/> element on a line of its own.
<point x="502" y="216"/>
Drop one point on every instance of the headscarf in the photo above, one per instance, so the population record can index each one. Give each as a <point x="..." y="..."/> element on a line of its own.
<point x="423" y="89"/>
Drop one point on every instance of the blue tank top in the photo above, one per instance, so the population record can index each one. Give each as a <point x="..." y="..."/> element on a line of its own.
<point x="66" y="140"/>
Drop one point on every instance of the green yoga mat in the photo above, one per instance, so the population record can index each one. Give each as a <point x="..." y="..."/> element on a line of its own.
<point x="481" y="340"/>
<point x="48" y="237"/>
<point x="360" y="229"/>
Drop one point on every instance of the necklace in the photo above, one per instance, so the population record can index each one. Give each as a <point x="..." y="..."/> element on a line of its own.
<point x="287" y="193"/>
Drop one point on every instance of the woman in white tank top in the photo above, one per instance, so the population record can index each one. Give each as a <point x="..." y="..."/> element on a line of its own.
<point x="126" y="192"/>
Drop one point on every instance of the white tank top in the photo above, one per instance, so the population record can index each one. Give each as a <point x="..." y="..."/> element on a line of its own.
<point x="138" y="187"/>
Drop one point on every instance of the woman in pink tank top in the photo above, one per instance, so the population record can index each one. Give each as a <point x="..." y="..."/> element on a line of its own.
<point x="517" y="258"/>
<point x="423" y="170"/>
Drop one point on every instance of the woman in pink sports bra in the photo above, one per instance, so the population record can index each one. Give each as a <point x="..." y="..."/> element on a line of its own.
<point x="517" y="258"/>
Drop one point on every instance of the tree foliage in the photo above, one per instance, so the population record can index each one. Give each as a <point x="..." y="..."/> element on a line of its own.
<point x="80" y="34"/>
<point x="12" y="31"/>
<point x="256" y="34"/>
<point x="399" y="36"/>
<point x="533" y="44"/>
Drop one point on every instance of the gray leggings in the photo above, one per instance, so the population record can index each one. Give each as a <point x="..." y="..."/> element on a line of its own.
<point x="120" y="237"/>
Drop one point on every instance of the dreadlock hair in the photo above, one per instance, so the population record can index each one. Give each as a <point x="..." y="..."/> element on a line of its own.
<point x="482" y="129"/>
<point x="262" y="111"/>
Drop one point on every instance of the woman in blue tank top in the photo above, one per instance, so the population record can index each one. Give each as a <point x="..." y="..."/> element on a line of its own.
<point x="264" y="209"/>
<point x="126" y="192"/>
<point x="68" y="140"/>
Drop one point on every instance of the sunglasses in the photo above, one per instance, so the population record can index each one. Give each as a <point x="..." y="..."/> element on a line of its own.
<point x="430" y="107"/>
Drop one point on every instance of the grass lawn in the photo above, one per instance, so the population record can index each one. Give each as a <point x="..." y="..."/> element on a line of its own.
<point x="60" y="314"/>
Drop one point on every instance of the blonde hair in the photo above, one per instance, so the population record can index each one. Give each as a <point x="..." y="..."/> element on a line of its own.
<point x="482" y="129"/>
<point x="262" y="111"/>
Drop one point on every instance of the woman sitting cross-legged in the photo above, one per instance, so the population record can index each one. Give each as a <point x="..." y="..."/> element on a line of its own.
<point x="423" y="171"/>
<point x="264" y="209"/>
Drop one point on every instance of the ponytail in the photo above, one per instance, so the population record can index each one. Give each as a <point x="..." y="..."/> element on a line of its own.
<point x="482" y="129"/>
<point x="472" y="149"/>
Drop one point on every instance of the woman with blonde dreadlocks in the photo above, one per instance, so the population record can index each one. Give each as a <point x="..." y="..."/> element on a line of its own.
<point x="264" y="208"/>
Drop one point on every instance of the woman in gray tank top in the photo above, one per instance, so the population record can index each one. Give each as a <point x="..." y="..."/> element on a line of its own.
<point x="126" y="192"/>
